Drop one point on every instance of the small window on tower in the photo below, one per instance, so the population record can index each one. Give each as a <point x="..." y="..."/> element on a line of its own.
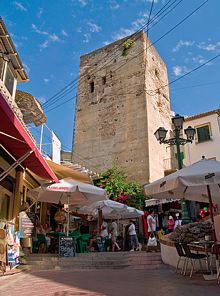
<point x="157" y="73"/>
<point x="104" y="80"/>
<point x="92" y="86"/>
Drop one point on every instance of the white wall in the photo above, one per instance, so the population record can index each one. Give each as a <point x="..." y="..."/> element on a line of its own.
<point x="194" y="152"/>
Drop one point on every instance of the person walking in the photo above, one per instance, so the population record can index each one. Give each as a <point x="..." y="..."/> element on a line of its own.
<point x="171" y="224"/>
<point x="151" y="223"/>
<point x="133" y="236"/>
<point x="114" y="234"/>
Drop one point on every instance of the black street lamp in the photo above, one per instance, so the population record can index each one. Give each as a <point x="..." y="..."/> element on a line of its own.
<point x="177" y="140"/>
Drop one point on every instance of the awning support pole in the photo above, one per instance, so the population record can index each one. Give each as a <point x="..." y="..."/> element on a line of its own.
<point x="68" y="216"/>
<point x="14" y="165"/>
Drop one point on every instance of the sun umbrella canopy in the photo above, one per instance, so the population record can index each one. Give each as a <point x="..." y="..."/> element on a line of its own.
<point x="190" y="183"/>
<point x="108" y="207"/>
<point x="68" y="191"/>
<point x="131" y="213"/>
<point x="111" y="209"/>
<point x="154" y="202"/>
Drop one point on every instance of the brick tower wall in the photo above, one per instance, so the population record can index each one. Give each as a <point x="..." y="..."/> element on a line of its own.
<point x="112" y="120"/>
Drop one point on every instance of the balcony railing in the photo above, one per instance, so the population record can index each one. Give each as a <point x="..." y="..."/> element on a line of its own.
<point x="8" y="98"/>
<point x="169" y="164"/>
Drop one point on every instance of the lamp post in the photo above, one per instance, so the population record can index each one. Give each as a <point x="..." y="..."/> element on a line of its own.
<point x="177" y="141"/>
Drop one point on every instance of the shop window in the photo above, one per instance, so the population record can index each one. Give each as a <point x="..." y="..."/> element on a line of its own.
<point x="203" y="133"/>
<point x="92" y="86"/>
<point x="104" y="80"/>
<point x="4" y="206"/>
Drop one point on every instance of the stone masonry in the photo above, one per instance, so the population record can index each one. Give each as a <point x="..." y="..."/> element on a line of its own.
<point x="118" y="109"/>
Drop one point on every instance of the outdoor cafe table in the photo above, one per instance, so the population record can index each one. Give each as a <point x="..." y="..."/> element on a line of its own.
<point x="204" y="247"/>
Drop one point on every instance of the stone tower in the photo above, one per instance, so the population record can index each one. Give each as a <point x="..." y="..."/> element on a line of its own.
<point x="120" y="104"/>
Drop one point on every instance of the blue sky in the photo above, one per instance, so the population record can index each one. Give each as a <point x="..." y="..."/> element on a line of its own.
<point x="51" y="35"/>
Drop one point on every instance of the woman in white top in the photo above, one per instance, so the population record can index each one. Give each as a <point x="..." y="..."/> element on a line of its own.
<point x="114" y="234"/>
<point x="133" y="236"/>
<point x="104" y="230"/>
<point x="151" y="222"/>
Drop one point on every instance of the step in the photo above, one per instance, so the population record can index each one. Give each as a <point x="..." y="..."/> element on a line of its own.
<point x="102" y="260"/>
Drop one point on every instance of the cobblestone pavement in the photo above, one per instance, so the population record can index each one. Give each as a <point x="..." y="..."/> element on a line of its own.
<point x="106" y="282"/>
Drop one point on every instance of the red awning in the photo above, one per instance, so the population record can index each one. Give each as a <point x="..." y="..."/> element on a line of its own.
<point x="18" y="142"/>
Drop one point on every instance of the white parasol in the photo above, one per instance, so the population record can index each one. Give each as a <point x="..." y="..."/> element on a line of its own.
<point x="69" y="191"/>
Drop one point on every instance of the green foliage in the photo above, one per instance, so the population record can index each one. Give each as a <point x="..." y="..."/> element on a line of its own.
<point x="114" y="182"/>
<point x="126" y="45"/>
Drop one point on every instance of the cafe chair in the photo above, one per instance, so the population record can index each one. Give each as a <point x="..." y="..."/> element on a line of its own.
<point x="182" y="256"/>
<point x="85" y="241"/>
<point x="192" y="258"/>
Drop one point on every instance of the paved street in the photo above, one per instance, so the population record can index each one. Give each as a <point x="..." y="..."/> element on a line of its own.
<point x="106" y="282"/>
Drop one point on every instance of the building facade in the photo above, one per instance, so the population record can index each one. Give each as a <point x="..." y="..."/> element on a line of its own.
<point x="122" y="99"/>
<point x="21" y="164"/>
<point x="207" y="137"/>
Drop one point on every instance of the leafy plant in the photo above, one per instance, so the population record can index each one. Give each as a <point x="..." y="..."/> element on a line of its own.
<point x="118" y="189"/>
<point x="126" y="46"/>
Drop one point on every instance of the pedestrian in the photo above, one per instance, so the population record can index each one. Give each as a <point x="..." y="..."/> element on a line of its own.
<point x="178" y="221"/>
<point x="171" y="224"/>
<point x="133" y="236"/>
<point x="151" y="223"/>
<point x="104" y="230"/>
<point x="114" y="234"/>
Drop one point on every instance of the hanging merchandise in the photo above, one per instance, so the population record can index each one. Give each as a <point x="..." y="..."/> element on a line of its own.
<point x="13" y="245"/>
<point x="3" y="246"/>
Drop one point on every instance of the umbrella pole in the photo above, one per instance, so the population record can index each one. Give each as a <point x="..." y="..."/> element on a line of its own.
<point x="68" y="217"/>
<point x="211" y="207"/>
<point x="100" y="220"/>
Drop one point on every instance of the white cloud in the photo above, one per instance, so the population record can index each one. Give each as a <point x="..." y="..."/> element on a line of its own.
<point x="135" y="25"/>
<point x="51" y="37"/>
<point x="113" y="4"/>
<point x="94" y="28"/>
<point x="64" y="33"/>
<point x="200" y="60"/>
<point x="42" y="99"/>
<point x="182" y="43"/>
<point x="36" y="30"/>
<point x="19" y="6"/>
<point x="87" y="37"/>
<point x="54" y="37"/>
<point x="46" y="80"/>
<point x="180" y="70"/>
<point x="27" y="69"/>
<point x="209" y="46"/>
<point x="106" y="42"/>
<point x="44" y="45"/>
<point x="40" y="12"/>
<point x="83" y="2"/>
<point x="123" y="33"/>
<point x="79" y="30"/>
<point x="18" y="40"/>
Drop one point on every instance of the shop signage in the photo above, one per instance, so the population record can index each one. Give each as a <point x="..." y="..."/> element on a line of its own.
<point x="67" y="246"/>
<point x="25" y="225"/>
